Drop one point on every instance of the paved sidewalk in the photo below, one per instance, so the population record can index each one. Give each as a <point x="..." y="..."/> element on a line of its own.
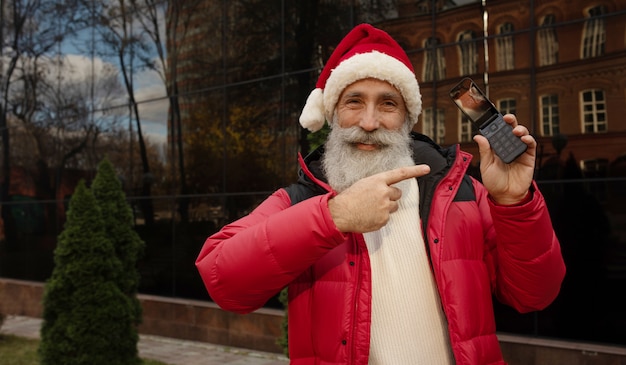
<point x="168" y="350"/>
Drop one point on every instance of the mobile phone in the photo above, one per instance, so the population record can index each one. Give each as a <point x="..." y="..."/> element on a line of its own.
<point x="488" y="120"/>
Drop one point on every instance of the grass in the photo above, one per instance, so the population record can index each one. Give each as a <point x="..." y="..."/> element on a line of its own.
<point x="23" y="351"/>
<point x="18" y="351"/>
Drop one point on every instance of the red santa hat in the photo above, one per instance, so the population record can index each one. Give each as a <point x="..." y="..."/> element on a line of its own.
<point x="365" y="52"/>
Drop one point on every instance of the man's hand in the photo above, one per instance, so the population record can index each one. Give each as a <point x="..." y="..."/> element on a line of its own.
<point x="366" y="205"/>
<point x="508" y="183"/>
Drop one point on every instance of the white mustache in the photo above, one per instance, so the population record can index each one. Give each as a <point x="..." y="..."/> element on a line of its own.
<point x="379" y="137"/>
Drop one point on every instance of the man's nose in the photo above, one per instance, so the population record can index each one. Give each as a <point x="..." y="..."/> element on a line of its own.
<point x="370" y="120"/>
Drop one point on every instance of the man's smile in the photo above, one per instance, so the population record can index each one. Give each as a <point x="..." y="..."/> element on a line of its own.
<point x="364" y="146"/>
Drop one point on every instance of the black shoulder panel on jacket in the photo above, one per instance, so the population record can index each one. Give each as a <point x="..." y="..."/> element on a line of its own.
<point x="305" y="188"/>
<point x="466" y="191"/>
<point x="299" y="192"/>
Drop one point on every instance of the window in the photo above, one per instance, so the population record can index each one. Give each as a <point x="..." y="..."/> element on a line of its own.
<point x="423" y="7"/>
<point x="507" y="106"/>
<point x="548" y="44"/>
<point x="466" y="131"/>
<point x="593" y="111"/>
<point x="436" y="131"/>
<point x="467" y="53"/>
<point x="594" y="34"/>
<point x="434" y="67"/>
<point x="504" y="48"/>
<point x="549" y="115"/>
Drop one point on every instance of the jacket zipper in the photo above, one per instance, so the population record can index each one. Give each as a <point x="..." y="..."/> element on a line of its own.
<point x="358" y="275"/>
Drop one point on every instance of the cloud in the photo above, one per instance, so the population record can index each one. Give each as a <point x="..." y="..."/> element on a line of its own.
<point x="79" y="68"/>
<point x="152" y="98"/>
<point x="155" y="132"/>
<point x="150" y="91"/>
<point x="153" y="106"/>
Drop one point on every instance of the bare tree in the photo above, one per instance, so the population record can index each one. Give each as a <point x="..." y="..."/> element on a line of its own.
<point x="55" y="123"/>
<point x="69" y="124"/>
<point x="29" y="29"/>
<point x="122" y="40"/>
<point x="166" y="24"/>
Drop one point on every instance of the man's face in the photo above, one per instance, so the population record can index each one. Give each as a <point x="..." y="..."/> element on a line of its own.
<point x="371" y="104"/>
<point x="370" y="134"/>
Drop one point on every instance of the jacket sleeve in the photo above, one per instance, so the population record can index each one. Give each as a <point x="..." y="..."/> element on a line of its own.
<point x="525" y="255"/>
<point x="250" y="260"/>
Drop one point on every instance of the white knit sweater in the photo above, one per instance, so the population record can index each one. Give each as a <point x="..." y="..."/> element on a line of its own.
<point x="408" y="323"/>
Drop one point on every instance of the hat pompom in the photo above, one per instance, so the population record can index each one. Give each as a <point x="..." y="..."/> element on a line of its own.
<point x="312" y="117"/>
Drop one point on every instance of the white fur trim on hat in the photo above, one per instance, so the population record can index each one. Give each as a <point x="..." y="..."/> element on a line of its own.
<point x="373" y="65"/>
<point x="312" y="117"/>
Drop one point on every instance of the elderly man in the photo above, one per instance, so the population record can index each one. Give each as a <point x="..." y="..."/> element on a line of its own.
<point x="391" y="253"/>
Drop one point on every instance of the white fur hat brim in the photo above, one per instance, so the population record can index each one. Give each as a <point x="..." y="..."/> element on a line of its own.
<point x="379" y="66"/>
<point x="320" y="105"/>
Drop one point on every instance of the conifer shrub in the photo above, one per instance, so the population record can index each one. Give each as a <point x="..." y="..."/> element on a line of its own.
<point x="85" y="314"/>
<point x="118" y="224"/>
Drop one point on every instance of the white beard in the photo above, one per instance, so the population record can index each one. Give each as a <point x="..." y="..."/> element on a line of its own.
<point x="344" y="164"/>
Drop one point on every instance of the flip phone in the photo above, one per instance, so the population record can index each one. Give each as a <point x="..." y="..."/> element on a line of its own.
<point x="488" y="120"/>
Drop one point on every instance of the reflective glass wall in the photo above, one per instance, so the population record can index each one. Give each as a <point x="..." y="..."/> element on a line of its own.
<point x="198" y="112"/>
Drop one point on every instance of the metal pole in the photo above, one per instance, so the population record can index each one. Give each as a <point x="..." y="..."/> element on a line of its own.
<point x="532" y="122"/>
<point x="486" y="45"/>
<point x="433" y="48"/>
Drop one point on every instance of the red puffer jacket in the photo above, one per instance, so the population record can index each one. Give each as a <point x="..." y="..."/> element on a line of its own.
<point x="477" y="250"/>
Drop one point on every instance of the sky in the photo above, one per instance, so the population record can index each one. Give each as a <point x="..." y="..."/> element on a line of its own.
<point x="153" y="107"/>
<point x="149" y="93"/>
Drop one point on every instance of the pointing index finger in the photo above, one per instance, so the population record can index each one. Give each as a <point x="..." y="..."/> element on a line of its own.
<point x="403" y="173"/>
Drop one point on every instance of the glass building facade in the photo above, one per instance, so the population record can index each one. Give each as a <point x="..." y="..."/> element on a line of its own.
<point x="212" y="126"/>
